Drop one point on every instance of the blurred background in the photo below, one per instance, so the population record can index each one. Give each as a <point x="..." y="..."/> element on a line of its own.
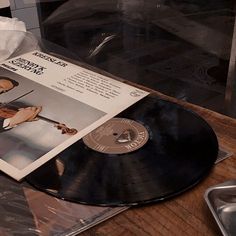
<point x="182" y="48"/>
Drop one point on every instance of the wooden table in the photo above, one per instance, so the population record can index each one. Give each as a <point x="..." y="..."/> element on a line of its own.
<point x="187" y="214"/>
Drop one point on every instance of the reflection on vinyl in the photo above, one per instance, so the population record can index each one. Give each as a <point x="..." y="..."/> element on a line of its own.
<point x="152" y="151"/>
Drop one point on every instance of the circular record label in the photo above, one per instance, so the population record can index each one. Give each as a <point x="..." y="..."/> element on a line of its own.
<point x="117" y="136"/>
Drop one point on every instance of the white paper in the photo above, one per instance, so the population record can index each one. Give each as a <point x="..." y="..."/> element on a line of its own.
<point x="11" y="35"/>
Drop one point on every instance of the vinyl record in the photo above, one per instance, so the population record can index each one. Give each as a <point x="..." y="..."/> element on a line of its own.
<point x="152" y="151"/>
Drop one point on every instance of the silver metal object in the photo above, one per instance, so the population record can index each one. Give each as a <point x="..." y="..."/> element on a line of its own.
<point x="221" y="200"/>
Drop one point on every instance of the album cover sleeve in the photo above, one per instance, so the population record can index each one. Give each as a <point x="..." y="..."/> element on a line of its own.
<point x="26" y="211"/>
<point x="47" y="104"/>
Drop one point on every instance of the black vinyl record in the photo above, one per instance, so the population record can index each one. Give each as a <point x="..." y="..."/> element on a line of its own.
<point x="172" y="150"/>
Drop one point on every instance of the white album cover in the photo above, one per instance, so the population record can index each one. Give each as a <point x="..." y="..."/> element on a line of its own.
<point x="47" y="104"/>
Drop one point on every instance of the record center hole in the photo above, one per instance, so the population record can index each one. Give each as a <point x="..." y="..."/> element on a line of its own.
<point x="115" y="134"/>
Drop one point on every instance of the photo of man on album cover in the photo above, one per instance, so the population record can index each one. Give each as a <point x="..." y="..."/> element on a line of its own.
<point x="34" y="119"/>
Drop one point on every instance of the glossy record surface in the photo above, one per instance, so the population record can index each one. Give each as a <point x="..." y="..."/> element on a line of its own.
<point x="180" y="151"/>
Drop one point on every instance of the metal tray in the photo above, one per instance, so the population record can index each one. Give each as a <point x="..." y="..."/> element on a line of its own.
<point x="221" y="199"/>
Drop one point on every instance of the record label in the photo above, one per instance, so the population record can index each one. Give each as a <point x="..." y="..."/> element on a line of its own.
<point x="117" y="136"/>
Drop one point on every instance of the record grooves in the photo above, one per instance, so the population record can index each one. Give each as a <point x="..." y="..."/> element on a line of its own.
<point x="180" y="150"/>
